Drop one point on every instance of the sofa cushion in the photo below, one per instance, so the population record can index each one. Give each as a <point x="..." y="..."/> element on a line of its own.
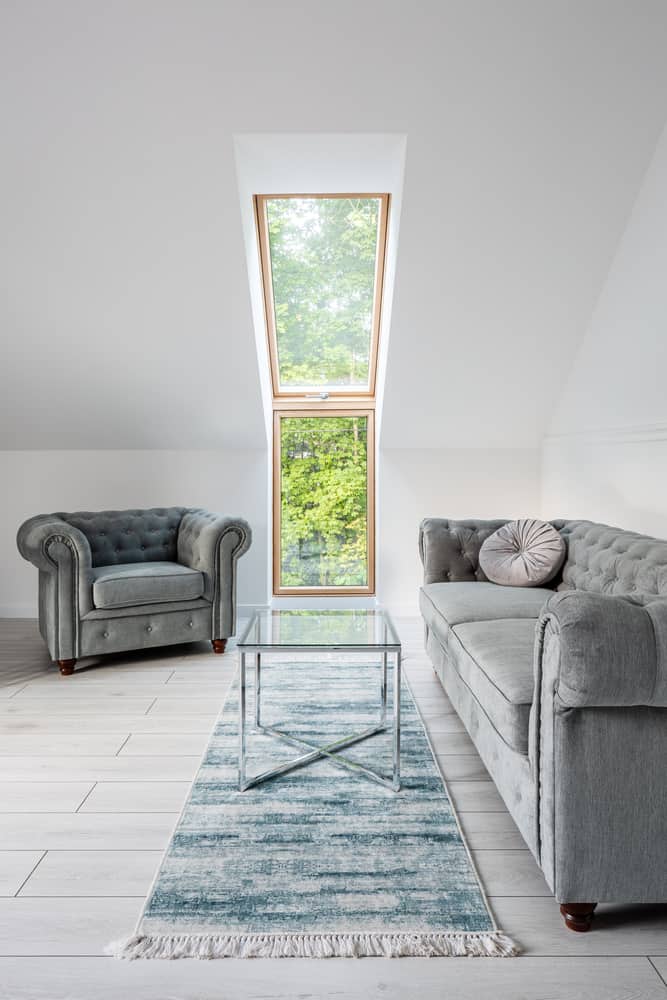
<point x="495" y="660"/>
<point x="130" y="584"/>
<point x="444" y="605"/>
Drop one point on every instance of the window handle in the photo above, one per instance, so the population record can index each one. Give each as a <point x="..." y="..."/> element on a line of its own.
<point x="317" y="395"/>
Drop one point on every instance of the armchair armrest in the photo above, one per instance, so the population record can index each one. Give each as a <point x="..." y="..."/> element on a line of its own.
<point x="212" y="543"/>
<point x="62" y="554"/>
<point x="612" y="651"/>
<point x="449" y="550"/>
<point x="43" y="541"/>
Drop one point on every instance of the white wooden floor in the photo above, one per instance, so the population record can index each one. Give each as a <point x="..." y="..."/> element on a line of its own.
<point x="94" y="769"/>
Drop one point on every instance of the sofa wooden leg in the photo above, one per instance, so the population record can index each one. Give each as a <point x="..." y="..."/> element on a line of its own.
<point x="578" y="916"/>
<point x="218" y="645"/>
<point x="66" y="667"/>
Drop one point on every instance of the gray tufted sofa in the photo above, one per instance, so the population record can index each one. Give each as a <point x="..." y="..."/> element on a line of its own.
<point x="564" y="693"/>
<point x="129" y="579"/>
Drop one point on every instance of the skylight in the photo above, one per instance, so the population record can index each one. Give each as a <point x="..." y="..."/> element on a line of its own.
<point x="323" y="262"/>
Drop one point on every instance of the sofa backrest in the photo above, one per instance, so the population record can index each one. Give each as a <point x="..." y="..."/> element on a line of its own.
<point x="599" y="558"/>
<point x="612" y="561"/>
<point x="129" y="536"/>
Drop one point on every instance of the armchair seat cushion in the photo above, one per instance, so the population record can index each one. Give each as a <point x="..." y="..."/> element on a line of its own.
<point x="495" y="661"/>
<point x="128" y="584"/>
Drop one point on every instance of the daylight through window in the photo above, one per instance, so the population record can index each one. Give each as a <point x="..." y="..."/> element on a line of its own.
<point x="322" y="260"/>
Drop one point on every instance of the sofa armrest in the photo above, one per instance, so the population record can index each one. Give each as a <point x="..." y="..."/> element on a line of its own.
<point x="597" y="747"/>
<point x="62" y="555"/>
<point x="612" y="651"/>
<point x="212" y="543"/>
<point x="449" y="550"/>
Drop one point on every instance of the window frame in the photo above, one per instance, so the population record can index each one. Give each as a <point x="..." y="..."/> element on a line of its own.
<point x="309" y="403"/>
<point x="261" y="220"/>
<point x="325" y="411"/>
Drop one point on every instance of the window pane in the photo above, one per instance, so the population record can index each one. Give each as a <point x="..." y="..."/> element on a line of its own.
<point x="323" y="501"/>
<point x="323" y="255"/>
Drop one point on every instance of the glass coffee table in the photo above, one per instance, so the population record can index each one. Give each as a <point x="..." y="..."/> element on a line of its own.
<point x="300" y="631"/>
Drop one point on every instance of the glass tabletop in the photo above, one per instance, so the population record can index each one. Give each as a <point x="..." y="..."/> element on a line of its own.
<point x="354" y="628"/>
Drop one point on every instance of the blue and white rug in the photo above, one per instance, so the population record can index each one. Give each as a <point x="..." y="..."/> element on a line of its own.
<point x="319" y="862"/>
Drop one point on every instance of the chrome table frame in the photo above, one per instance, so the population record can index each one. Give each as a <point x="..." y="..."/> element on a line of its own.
<point x="330" y="750"/>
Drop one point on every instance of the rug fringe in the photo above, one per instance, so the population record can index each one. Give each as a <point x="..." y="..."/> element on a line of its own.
<point x="494" y="944"/>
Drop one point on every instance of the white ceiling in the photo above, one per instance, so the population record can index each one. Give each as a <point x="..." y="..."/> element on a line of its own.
<point x="126" y="316"/>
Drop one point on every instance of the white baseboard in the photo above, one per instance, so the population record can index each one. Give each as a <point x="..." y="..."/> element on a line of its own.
<point x="18" y="610"/>
<point x="399" y="611"/>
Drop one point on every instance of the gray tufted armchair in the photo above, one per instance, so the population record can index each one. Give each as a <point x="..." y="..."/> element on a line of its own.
<point x="130" y="579"/>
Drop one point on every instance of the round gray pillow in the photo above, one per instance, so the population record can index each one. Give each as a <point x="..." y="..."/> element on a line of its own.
<point x="523" y="553"/>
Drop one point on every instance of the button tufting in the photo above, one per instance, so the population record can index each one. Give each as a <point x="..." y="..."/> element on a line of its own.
<point x="105" y="634"/>
<point x="149" y="628"/>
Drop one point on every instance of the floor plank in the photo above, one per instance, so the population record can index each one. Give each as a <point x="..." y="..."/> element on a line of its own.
<point x="62" y="744"/>
<point x="510" y="873"/>
<point x="93" y="873"/>
<point x="370" y="979"/>
<point x="86" y="831"/>
<point x="489" y="831"/>
<point x="76" y="703"/>
<point x="66" y="723"/>
<point x="137" y="796"/>
<point x="452" y="743"/>
<point x="42" y="796"/>
<point x="660" y="965"/>
<point x="98" y="768"/>
<point x="208" y="707"/>
<point x="465" y="768"/>
<point x="165" y="745"/>
<point x="617" y="930"/>
<point x="61" y="926"/>
<point x="15" y="868"/>
<point x="476" y="796"/>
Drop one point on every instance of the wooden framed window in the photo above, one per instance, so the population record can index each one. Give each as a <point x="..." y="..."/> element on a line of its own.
<point x="323" y="261"/>
<point x="324" y="501"/>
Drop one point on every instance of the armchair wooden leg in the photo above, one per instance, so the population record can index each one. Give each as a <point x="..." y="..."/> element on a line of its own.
<point x="218" y="645"/>
<point x="578" y="916"/>
<point x="66" y="667"/>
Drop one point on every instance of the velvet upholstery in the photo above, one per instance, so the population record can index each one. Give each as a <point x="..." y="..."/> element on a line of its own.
<point x="510" y="770"/>
<point x="444" y="606"/>
<point x="129" y="536"/>
<point x="128" y="584"/>
<point x="77" y="552"/>
<point x="495" y="660"/>
<point x="523" y="553"/>
<point x="579" y="761"/>
<point x="600" y="782"/>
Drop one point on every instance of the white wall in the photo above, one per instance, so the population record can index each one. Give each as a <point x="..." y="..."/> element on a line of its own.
<point x="37" y="482"/>
<point x="459" y="483"/>
<point x="605" y="457"/>
<point x="125" y="311"/>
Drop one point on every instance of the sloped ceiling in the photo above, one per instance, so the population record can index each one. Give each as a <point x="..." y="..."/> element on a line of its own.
<point x="126" y="317"/>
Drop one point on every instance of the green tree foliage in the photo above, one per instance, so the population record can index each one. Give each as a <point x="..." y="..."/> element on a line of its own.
<point x="323" y="253"/>
<point x="323" y="463"/>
